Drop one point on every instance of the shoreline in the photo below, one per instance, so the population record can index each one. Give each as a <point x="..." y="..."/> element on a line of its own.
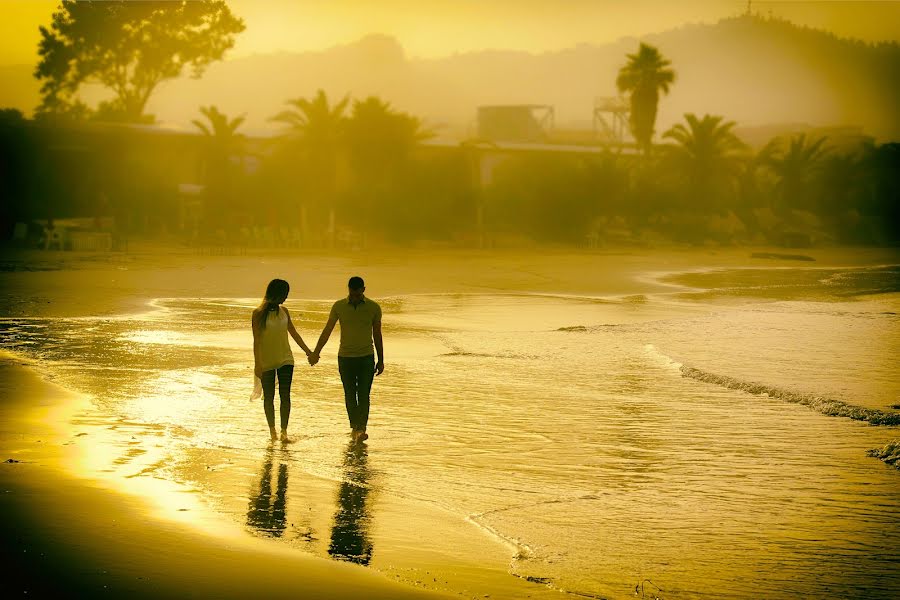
<point x="75" y="284"/>
<point x="73" y="536"/>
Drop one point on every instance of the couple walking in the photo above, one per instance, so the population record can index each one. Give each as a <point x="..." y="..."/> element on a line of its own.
<point x="360" y="320"/>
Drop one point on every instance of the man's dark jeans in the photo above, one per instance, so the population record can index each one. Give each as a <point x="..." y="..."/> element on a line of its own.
<point x="357" y="373"/>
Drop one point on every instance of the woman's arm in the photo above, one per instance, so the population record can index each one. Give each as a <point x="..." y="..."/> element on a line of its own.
<point x="326" y="333"/>
<point x="295" y="334"/>
<point x="254" y="323"/>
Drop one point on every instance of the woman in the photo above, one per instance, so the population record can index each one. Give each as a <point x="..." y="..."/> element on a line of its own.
<point x="272" y="352"/>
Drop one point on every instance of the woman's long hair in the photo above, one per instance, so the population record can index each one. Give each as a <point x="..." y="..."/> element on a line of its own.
<point x="276" y="293"/>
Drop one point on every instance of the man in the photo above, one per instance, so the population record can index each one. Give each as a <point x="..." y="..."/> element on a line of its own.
<point x="360" y="320"/>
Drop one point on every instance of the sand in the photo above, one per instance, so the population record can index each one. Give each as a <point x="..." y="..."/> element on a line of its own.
<point x="73" y="537"/>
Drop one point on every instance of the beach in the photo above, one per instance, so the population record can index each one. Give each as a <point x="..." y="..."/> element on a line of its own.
<point x="73" y="537"/>
<point x="140" y="466"/>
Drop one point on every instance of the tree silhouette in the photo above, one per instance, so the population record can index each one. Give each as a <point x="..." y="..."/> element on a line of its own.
<point x="315" y="119"/>
<point x="128" y="47"/>
<point x="380" y="142"/>
<point x="841" y="178"/>
<point x="795" y="167"/>
<point x="221" y="129"/>
<point x="881" y="189"/>
<point x="316" y="130"/>
<point x="223" y="145"/>
<point x="381" y="139"/>
<point x="315" y="138"/>
<point x="643" y="77"/>
<point x="707" y="153"/>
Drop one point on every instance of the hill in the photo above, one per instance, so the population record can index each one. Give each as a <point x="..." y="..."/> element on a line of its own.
<point x="753" y="70"/>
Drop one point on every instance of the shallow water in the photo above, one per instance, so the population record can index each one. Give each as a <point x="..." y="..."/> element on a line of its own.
<point x="611" y="441"/>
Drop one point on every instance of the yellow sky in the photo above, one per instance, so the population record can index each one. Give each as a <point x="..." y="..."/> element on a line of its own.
<point x="430" y="28"/>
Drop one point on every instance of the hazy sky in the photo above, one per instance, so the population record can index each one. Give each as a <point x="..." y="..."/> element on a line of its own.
<point x="430" y="28"/>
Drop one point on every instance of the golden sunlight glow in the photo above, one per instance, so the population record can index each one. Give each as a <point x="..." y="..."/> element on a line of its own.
<point x="19" y="34"/>
<point x="442" y="27"/>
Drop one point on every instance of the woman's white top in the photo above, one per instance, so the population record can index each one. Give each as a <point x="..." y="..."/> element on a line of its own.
<point x="274" y="348"/>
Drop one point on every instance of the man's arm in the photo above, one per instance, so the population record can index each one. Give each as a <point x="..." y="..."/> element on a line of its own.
<point x="323" y="339"/>
<point x="296" y="335"/>
<point x="379" y="346"/>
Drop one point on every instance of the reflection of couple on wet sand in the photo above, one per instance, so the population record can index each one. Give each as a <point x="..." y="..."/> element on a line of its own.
<point x="360" y="320"/>
<point x="349" y="541"/>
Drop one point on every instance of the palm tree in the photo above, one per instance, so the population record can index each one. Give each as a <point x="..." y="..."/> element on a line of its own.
<point x="316" y="133"/>
<point x="223" y="143"/>
<point x="381" y="141"/>
<point x="795" y="168"/>
<point x="881" y="189"/>
<point x="380" y="138"/>
<point x="842" y="178"/>
<point x="223" y="130"/>
<point x="318" y="124"/>
<point x="644" y="76"/>
<point x="707" y="152"/>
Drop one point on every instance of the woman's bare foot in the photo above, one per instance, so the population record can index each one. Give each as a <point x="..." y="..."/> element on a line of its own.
<point x="273" y="434"/>
<point x="284" y="437"/>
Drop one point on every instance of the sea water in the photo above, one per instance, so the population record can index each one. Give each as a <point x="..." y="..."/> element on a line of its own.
<point x="710" y="441"/>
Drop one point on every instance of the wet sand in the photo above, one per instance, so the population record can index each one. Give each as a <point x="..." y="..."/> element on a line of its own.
<point x="76" y="538"/>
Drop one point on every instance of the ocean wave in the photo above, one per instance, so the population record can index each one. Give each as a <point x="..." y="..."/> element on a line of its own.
<point x="890" y="454"/>
<point x="508" y="355"/>
<point x="826" y="406"/>
<point x="524" y="553"/>
<point x="593" y="328"/>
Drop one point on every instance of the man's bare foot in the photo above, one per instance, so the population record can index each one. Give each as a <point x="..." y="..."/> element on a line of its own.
<point x="362" y="436"/>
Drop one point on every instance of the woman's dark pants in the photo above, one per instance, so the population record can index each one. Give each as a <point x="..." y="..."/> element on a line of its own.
<point x="285" y="374"/>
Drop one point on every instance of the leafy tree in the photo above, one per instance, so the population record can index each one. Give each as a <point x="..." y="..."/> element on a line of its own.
<point x="128" y="47"/>
<point x="315" y="120"/>
<point x="880" y="190"/>
<point x="313" y="149"/>
<point x="707" y="153"/>
<point x="644" y="75"/>
<point x="795" y="167"/>
<point x="316" y="130"/>
<point x="549" y="198"/>
<point x="221" y="131"/>
<point x="223" y="144"/>
<point x="380" y="142"/>
<point x="841" y="180"/>
<point x="381" y="139"/>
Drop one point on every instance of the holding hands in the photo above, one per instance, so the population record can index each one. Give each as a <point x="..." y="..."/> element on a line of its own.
<point x="313" y="358"/>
